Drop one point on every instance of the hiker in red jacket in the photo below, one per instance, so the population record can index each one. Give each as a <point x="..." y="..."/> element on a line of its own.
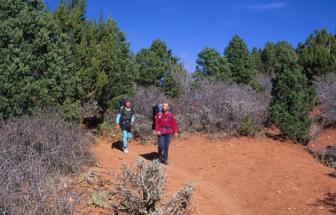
<point x="165" y="126"/>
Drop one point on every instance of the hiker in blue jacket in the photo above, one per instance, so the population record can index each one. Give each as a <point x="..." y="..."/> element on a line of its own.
<point x="125" y="120"/>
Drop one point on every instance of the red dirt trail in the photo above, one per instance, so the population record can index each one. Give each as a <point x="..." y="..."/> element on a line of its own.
<point x="236" y="175"/>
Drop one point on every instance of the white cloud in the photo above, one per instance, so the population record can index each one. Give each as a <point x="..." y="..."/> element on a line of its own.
<point x="265" y="6"/>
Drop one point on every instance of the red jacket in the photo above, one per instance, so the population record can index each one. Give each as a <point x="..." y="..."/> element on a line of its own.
<point x="165" y="123"/>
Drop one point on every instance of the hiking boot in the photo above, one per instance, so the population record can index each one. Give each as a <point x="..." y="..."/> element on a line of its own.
<point x="165" y="162"/>
<point x="126" y="150"/>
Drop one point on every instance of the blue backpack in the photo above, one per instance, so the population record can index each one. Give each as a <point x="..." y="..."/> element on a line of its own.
<point x="156" y="109"/>
<point x="122" y="102"/>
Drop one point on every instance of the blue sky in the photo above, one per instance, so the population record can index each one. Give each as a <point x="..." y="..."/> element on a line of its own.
<point x="188" y="26"/>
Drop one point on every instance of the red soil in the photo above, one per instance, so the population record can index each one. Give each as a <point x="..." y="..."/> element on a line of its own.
<point x="328" y="138"/>
<point x="236" y="175"/>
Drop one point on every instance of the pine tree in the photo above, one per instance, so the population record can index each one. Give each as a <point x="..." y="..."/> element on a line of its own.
<point x="115" y="67"/>
<point x="155" y="65"/>
<point x="256" y="60"/>
<point x="212" y="66"/>
<point x="239" y="60"/>
<point x="317" y="55"/>
<point x="268" y="58"/>
<point x="36" y="67"/>
<point x="276" y="57"/>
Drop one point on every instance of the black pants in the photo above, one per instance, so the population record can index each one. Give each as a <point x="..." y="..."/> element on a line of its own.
<point x="163" y="146"/>
<point x="126" y="126"/>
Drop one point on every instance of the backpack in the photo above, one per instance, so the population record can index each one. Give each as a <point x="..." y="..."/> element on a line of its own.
<point x="122" y="102"/>
<point x="122" y="107"/>
<point x="156" y="109"/>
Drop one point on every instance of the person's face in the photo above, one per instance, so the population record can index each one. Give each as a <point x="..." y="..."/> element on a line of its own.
<point x="128" y="104"/>
<point x="165" y="107"/>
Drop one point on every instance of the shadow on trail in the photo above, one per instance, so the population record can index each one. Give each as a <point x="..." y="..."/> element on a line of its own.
<point x="117" y="145"/>
<point x="150" y="156"/>
<point x="329" y="201"/>
<point x="333" y="174"/>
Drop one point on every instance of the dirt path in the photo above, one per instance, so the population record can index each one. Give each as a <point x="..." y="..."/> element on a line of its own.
<point x="236" y="175"/>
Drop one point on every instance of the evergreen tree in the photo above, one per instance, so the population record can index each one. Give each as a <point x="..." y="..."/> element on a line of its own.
<point x="113" y="63"/>
<point x="256" y="60"/>
<point x="239" y="60"/>
<point x="70" y="18"/>
<point x="293" y="99"/>
<point x="35" y="67"/>
<point x="268" y="58"/>
<point x="285" y="57"/>
<point x="317" y="55"/>
<point x="101" y="54"/>
<point x="276" y="57"/>
<point x="211" y="65"/>
<point x="155" y="65"/>
<point x="151" y="68"/>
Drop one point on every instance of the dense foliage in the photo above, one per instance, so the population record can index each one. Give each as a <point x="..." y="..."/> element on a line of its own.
<point x="36" y="65"/>
<point x="292" y="98"/>
<point x="61" y="60"/>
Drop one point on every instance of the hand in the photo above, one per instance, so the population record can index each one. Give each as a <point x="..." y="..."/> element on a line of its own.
<point x="176" y="134"/>
<point x="117" y="126"/>
<point x="158" y="133"/>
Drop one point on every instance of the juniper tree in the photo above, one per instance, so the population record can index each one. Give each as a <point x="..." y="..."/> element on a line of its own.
<point x="293" y="98"/>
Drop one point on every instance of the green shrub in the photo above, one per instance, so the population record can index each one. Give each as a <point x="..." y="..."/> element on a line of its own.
<point x="246" y="129"/>
<point x="71" y="111"/>
<point x="292" y="102"/>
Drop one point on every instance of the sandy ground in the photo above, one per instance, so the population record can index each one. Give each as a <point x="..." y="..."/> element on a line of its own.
<point x="234" y="175"/>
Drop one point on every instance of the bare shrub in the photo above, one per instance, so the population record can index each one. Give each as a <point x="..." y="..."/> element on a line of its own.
<point x="208" y="107"/>
<point x="326" y="97"/>
<point x="140" y="191"/>
<point x="143" y="101"/>
<point x="35" y="152"/>
<point x="327" y="156"/>
<point x="265" y="81"/>
<point x="180" y="204"/>
<point x="228" y="107"/>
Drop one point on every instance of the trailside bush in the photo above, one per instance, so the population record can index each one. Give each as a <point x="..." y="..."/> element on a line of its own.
<point x="292" y="102"/>
<point x="140" y="191"/>
<point x="208" y="107"/>
<point x="71" y="111"/>
<point x="292" y="97"/>
<point x="35" y="152"/>
<point x="143" y="101"/>
<point x="218" y="106"/>
<point x="326" y="98"/>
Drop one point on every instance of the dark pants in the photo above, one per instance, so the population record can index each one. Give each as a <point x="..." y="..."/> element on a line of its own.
<point x="164" y="141"/>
